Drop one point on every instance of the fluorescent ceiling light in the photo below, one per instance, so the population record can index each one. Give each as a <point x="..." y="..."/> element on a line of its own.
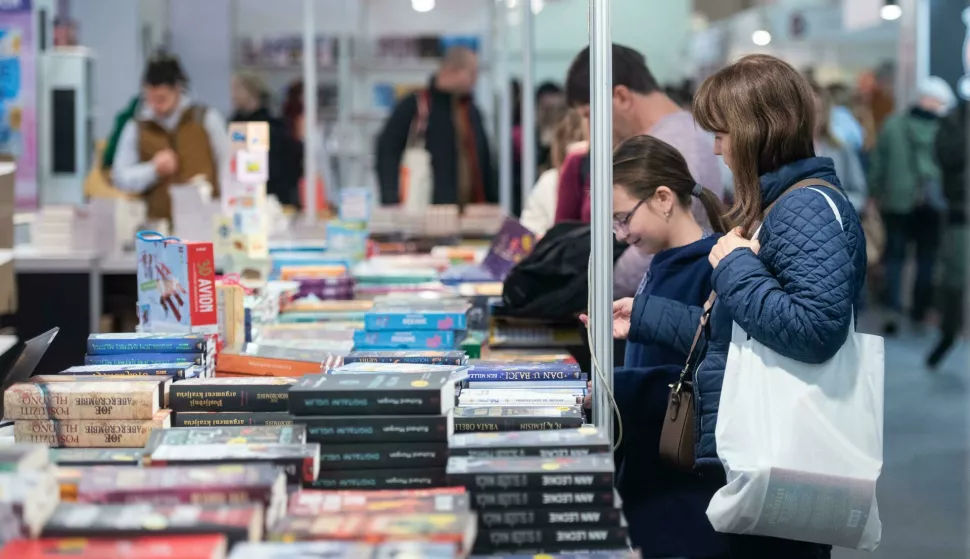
<point x="891" y="12"/>
<point x="422" y="5"/>
<point x="761" y="37"/>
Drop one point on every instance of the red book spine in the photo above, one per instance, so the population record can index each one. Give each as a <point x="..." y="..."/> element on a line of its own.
<point x="202" y="281"/>
<point x="171" y="496"/>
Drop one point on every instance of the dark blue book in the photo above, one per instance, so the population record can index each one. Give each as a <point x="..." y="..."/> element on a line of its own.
<point x="146" y="359"/>
<point x="114" y="344"/>
<point x="526" y="372"/>
<point x="177" y="370"/>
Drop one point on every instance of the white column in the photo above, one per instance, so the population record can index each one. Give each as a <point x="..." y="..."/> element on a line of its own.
<point x="505" y="106"/>
<point x="528" y="99"/>
<point x="310" y="111"/>
<point x="601" y="174"/>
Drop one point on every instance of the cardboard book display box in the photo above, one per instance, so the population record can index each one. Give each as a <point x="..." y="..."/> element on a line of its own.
<point x="176" y="285"/>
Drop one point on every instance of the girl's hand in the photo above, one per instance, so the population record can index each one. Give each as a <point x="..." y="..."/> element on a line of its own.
<point x="622" y="310"/>
<point x="727" y="244"/>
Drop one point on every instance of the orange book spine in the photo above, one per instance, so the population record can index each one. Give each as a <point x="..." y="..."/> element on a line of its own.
<point x="249" y="365"/>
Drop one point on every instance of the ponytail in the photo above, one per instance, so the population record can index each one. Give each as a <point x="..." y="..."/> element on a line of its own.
<point x="715" y="209"/>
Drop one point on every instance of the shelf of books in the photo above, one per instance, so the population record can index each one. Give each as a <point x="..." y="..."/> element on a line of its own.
<point x="363" y="400"/>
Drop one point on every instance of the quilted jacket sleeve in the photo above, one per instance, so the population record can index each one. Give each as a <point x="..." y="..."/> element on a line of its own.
<point x="656" y="320"/>
<point x="796" y="295"/>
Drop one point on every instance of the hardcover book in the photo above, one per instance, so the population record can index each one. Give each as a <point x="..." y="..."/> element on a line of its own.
<point x="496" y="474"/>
<point x="377" y="428"/>
<point x="86" y="433"/>
<point x="547" y="444"/>
<point x="202" y="546"/>
<point x="374" y="394"/>
<point x="264" y="394"/>
<point x="81" y="400"/>
<point x="110" y="344"/>
<point x="238" y="523"/>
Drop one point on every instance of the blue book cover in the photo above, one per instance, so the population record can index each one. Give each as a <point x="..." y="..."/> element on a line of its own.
<point x="393" y="319"/>
<point x="146" y="359"/>
<point x="176" y="370"/>
<point x="418" y="357"/>
<point x="114" y="344"/>
<point x="419" y="339"/>
<point x="490" y="371"/>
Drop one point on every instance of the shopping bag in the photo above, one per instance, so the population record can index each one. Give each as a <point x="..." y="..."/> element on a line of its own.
<point x="416" y="182"/>
<point x="801" y="444"/>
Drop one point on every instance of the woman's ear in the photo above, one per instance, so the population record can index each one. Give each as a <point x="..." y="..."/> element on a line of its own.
<point x="665" y="198"/>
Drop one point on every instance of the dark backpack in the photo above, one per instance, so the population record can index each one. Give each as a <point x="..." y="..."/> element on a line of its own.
<point x="551" y="283"/>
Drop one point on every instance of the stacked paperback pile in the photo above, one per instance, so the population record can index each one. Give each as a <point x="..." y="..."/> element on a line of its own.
<point x="540" y="492"/>
<point x="168" y="351"/>
<point x="432" y="326"/>
<point x="28" y="490"/>
<point x="377" y="431"/>
<point x="218" y="402"/>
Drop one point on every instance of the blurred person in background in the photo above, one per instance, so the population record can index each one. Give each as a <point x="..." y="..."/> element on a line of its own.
<point x="550" y="111"/>
<point x="847" y="165"/>
<point x="455" y="137"/>
<point x="844" y="126"/>
<point x="250" y="101"/>
<point x="951" y="152"/>
<point x="294" y="127"/>
<point x="170" y="140"/>
<point x="571" y="136"/>
<point x="639" y="107"/>
<point x="904" y="183"/>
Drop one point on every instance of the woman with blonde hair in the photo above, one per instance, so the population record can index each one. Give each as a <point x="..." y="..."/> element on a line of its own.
<point x="791" y="276"/>
<point x="572" y="134"/>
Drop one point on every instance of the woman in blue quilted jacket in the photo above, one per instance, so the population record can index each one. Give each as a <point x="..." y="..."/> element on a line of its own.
<point x="795" y="287"/>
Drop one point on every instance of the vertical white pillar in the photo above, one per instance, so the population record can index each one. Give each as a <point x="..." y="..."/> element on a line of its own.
<point x="505" y="107"/>
<point x="310" y="111"/>
<point x="528" y="99"/>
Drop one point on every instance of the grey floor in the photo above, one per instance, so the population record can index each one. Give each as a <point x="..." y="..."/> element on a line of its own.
<point x="923" y="491"/>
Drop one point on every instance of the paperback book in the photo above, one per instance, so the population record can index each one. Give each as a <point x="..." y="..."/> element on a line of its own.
<point x="399" y="319"/>
<point x="551" y="498"/>
<point x="231" y="419"/>
<point x="498" y="474"/>
<point x="202" y="546"/>
<point x="144" y="358"/>
<point x="300" y="462"/>
<point x="319" y="503"/>
<point x="365" y="456"/>
<point x="228" y="435"/>
<point x="81" y="400"/>
<point x="452" y="357"/>
<point x="73" y="457"/>
<point x="404" y="340"/>
<point x="546" y="444"/>
<point x="87" y="433"/>
<point x="176" y="370"/>
<point x="263" y="394"/>
<point x="517" y="418"/>
<point x="374" y="394"/>
<point x="420" y="478"/>
<point x="110" y="344"/>
<point x="552" y="539"/>
<point x="337" y="429"/>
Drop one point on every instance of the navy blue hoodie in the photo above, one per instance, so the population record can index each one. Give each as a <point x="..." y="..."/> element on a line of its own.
<point x="665" y="508"/>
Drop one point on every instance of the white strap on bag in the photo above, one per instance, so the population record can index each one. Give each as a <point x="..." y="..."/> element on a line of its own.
<point x="801" y="444"/>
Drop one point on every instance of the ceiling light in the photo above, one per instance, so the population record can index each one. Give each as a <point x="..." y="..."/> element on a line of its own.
<point x="761" y="37"/>
<point x="422" y="5"/>
<point x="891" y="11"/>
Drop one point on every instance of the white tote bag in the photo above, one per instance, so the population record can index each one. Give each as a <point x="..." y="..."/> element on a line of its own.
<point x="801" y="444"/>
<point x="416" y="176"/>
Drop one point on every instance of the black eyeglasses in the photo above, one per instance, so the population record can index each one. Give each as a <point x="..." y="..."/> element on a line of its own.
<point x="622" y="225"/>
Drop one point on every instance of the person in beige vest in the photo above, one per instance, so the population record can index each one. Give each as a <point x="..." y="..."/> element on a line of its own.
<point x="170" y="140"/>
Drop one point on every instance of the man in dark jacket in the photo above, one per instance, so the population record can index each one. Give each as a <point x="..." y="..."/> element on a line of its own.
<point x="455" y="137"/>
<point x="951" y="152"/>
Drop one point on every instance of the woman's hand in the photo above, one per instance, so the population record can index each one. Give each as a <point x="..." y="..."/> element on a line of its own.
<point x="622" y="310"/>
<point x="728" y="243"/>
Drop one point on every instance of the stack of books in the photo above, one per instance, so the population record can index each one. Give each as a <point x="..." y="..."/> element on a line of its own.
<point x="88" y="411"/>
<point x="240" y="365"/>
<point x="540" y="492"/>
<point x="218" y="402"/>
<point x="377" y="431"/>
<point x="204" y="546"/>
<point x="153" y="349"/>
<point x="28" y="490"/>
<point x="427" y="357"/>
<point x="431" y="326"/>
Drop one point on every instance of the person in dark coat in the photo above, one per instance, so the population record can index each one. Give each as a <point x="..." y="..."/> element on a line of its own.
<point x="652" y="196"/>
<point x="951" y="152"/>
<point x="460" y="157"/>
<point x="796" y="287"/>
<point x="250" y="100"/>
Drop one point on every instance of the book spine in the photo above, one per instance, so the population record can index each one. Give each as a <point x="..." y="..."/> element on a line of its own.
<point x="553" y="539"/>
<point x="115" y="346"/>
<point x="501" y="424"/>
<point x="86" y="433"/>
<point x="378" y="321"/>
<point x="331" y="430"/>
<point x="533" y="480"/>
<point x="543" y="452"/>
<point x="146" y="359"/>
<point x="230" y="419"/>
<point x="416" y="360"/>
<point x="177" y="371"/>
<point x="262" y="366"/>
<point x="229" y="397"/>
<point x="380" y="479"/>
<point x="202" y="285"/>
<point x="178" y="496"/>
<point x="490" y="500"/>
<point x="403" y="340"/>
<point x="499" y="399"/>
<point x="383" y="455"/>
<point x="37" y="401"/>
<point x="366" y="403"/>
<point x="298" y="469"/>
<point x="570" y="516"/>
<point x="480" y="374"/>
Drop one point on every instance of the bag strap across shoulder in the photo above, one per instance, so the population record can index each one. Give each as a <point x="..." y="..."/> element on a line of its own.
<point x="693" y="354"/>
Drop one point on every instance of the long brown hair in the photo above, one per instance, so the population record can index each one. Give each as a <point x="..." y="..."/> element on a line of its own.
<point x="768" y="109"/>
<point x="569" y="131"/>
<point x="642" y="164"/>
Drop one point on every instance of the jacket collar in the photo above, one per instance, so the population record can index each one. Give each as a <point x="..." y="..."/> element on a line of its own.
<point x="775" y="183"/>
<point x="170" y="122"/>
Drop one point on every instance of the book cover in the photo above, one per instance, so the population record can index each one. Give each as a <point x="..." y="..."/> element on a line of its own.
<point x="491" y="371"/>
<point x="81" y="400"/>
<point x="393" y="368"/>
<point x="507" y="397"/>
<point x="255" y="434"/>
<point x="164" y="383"/>
<point x="84" y="520"/>
<point x="202" y="546"/>
<point x="305" y="550"/>
<point x="509" y="246"/>
<point x="458" y="529"/>
<point x="397" y="319"/>
<point x="584" y="472"/>
<point x="540" y="517"/>
<point x="23" y="457"/>
<point x="230" y="419"/>
<point x="86" y="433"/>
<point x="337" y="429"/>
<point x="262" y="394"/>
<point x="72" y="457"/>
<point x="111" y="344"/>
<point x="265" y="366"/>
<point x="374" y="394"/>
<point x="421" y="478"/>
<point x="551" y="498"/>
<point x="554" y="539"/>
<point x="318" y="503"/>
<point x="403" y="340"/>
<point x="453" y="357"/>
<point x="300" y="462"/>
<point x="546" y="444"/>
<point x="368" y="456"/>
<point x="176" y="370"/>
<point x="578" y="386"/>
<point x="198" y="359"/>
